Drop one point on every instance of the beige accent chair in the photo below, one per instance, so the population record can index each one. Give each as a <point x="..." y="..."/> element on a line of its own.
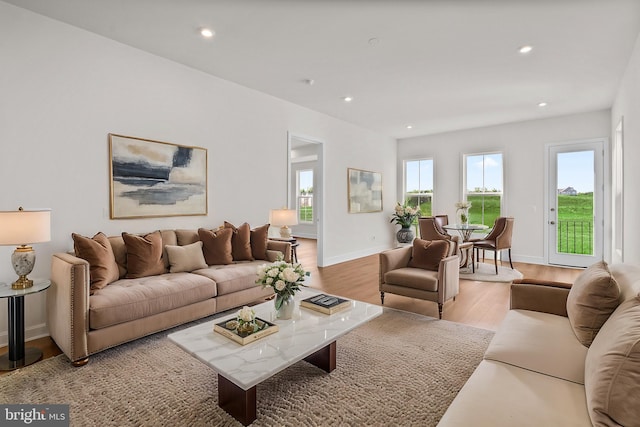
<point x="498" y="239"/>
<point x="430" y="228"/>
<point x="439" y="286"/>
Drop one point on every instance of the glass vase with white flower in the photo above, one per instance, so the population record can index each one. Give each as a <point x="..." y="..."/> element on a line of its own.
<point x="462" y="210"/>
<point x="285" y="279"/>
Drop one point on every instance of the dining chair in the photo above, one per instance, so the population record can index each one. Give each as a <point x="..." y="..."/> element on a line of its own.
<point x="430" y="228"/>
<point x="498" y="239"/>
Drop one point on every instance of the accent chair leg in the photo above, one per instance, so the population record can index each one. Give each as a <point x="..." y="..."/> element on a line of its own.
<point x="495" y="260"/>
<point x="510" y="263"/>
<point x="382" y="298"/>
<point x="80" y="362"/>
<point x="439" y="310"/>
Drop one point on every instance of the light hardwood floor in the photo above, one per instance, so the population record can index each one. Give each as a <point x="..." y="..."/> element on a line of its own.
<point x="480" y="304"/>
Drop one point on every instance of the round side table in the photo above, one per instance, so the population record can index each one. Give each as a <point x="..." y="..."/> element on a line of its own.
<point x="18" y="356"/>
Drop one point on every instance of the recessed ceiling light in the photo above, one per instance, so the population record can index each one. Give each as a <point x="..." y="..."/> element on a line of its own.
<point x="542" y="104"/>
<point x="525" y="49"/>
<point x="347" y="99"/>
<point x="409" y="127"/>
<point x="309" y="82"/>
<point x="206" y="33"/>
<point x="374" y="41"/>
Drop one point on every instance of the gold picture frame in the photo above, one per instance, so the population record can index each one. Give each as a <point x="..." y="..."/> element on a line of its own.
<point x="364" y="189"/>
<point x="156" y="179"/>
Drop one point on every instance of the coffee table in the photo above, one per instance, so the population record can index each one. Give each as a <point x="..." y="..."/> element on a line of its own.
<point x="309" y="335"/>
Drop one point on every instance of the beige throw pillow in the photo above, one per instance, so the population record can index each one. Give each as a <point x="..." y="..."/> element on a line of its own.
<point x="612" y="369"/>
<point x="185" y="258"/>
<point x="427" y="254"/>
<point x="98" y="253"/>
<point x="216" y="246"/>
<point x="593" y="297"/>
<point x="144" y="255"/>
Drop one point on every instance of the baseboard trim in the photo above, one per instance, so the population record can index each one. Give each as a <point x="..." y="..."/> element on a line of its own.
<point x="30" y="333"/>
<point x="355" y="255"/>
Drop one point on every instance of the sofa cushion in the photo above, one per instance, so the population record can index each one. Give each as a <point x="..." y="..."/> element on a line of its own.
<point x="187" y="237"/>
<point x="131" y="299"/>
<point x="417" y="278"/>
<point x="258" y="239"/>
<point x="216" y="246"/>
<point x="144" y="255"/>
<point x="612" y="372"/>
<point x="185" y="258"/>
<point x="98" y="253"/>
<point x="540" y="342"/>
<point x="592" y="298"/>
<point x="232" y="278"/>
<point x="427" y="254"/>
<point x="501" y="395"/>
<point x="240" y="242"/>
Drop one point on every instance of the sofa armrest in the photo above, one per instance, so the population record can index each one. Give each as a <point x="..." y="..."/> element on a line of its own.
<point x="543" y="296"/>
<point x="68" y="305"/>
<point x="393" y="259"/>
<point x="276" y="247"/>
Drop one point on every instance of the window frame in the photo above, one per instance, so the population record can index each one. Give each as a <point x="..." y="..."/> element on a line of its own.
<point x="501" y="194"/>
<point x="299" y="195"/>
<point x="405" y="192"/>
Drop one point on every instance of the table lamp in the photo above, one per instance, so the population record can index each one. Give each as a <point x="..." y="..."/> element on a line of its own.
<point x="23" y="228"/>
<point x="283" y="218"/>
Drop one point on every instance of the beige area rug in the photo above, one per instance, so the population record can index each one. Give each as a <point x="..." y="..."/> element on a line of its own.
<point x="399" y="369"/>
<point x="487" y="273"/>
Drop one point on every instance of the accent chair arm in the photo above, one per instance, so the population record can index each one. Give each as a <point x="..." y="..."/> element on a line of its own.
<point x="538" y="295"/>
<point x="448" y="278"/>
<point x="275" y="246"/>
<point x="393" y="259"/>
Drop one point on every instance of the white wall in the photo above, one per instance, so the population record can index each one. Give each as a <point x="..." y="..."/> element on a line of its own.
<point x="64" y="89"/>
<point x="523" y="148"/>
<point x="627" y="105"/>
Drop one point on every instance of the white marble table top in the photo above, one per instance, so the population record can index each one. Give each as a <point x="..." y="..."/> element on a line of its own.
<point x="38" y="286"/>
<point x="246" y="366"/>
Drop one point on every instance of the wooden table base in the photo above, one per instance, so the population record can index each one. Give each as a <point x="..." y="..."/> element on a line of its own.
<point x="241" y="404"/>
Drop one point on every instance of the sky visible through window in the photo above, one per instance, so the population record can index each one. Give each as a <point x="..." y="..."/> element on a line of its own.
<point x="484" y="171"/>
<point x="576" y="169"/>
<point x="419" y="175"/>
<point x="305" y="179"/>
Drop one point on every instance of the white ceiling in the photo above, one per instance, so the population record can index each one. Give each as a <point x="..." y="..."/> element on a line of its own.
<point x="438" y="65"/>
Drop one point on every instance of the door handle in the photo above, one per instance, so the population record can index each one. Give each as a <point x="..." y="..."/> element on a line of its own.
<point x="552" y="222"/>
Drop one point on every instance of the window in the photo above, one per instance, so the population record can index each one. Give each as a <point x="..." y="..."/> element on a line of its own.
<point x="418" y="184"/>
<point x="304" y="192"/>
<point x="483" y="187"/>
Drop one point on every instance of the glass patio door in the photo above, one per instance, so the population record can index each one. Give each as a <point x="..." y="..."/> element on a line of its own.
<point x="575" y="209"/>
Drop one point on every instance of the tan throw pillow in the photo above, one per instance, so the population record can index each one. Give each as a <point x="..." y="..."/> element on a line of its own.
<point x="216" y="246"/>
<point x="240" y="242"/>
<point x="592" y="298"/>
<point x="259" y="237"/>
<point x="427" y="254"/>
<point x="185" y="258"/>
<point x="99" y="254"/>
<point x="144" y="255"/>
<point x="612" y="369"/>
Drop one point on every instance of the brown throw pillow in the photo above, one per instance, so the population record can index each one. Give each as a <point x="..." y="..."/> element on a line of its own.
<point x="593" y="297"/>
<point x="612" y="369"/>
<point x="99" y="254"/>
<point x="427" y="254"/>
<point x="144" y="255"/>
<point x="240" y="242"/>
<point x="259" y="237"/>
<point x="216" y="246"/>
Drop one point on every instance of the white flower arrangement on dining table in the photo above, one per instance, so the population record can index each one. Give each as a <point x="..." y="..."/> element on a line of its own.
<point x="285" y="279"/>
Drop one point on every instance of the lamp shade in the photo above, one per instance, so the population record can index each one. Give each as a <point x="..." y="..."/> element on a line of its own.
<point x="25" y="227"/>
<point x="283" y="217"/>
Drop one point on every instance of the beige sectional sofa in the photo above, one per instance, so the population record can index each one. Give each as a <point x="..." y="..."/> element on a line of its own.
<point x="84" y="318"/>
<point x="537" y="372"/>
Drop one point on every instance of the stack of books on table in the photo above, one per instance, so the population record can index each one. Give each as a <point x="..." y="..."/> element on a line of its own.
<point x="327" y="304"/>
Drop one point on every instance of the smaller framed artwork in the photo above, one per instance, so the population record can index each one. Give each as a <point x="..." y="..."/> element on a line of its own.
<point x="153" y="178"/>
<point x="364" y="191"/>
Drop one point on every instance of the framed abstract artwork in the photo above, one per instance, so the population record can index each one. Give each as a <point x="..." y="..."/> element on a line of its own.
<point x="153" y="178"/>
<point x="364" y="191"/>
